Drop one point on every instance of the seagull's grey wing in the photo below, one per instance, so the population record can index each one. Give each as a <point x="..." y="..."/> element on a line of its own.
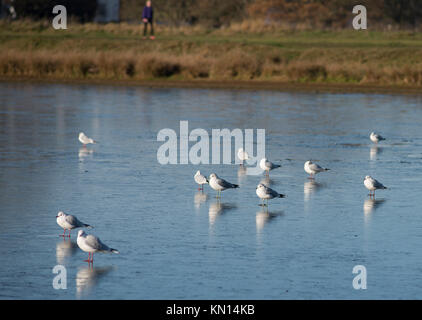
<point x="75" y="222"/>
<point x="95" y="243"/>
<point x="378" y="184"/>
<point x="72" y="220"/>
<point x="272" y="192"/>
<point x="315" y="167"/>
<point x="225" y="184"/>
<point x="273" y="166"/>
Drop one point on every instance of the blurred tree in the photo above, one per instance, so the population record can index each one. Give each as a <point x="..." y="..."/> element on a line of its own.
<point x="216" y="13"/>
<point x="178" y="12"/>
<point x="404" y="12"/>
<point x="82" y="10"/>
<point x="314" y="13"/>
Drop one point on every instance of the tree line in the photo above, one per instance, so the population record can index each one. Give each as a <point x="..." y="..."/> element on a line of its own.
<point x="218" y="13"/>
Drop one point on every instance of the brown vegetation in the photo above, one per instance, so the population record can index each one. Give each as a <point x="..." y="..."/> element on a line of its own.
<point x="243" y="51"/>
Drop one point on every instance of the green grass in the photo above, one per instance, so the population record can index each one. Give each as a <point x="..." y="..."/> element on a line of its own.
<point x="117" y="52"/>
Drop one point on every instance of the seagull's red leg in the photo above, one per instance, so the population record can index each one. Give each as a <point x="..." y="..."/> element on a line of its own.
<point x="64" y="233"/>
<point x="89" y="257"/>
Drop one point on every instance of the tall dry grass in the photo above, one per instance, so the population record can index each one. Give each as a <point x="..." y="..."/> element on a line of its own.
<point x="115" y="52"/>
<point x="233" y="65"/>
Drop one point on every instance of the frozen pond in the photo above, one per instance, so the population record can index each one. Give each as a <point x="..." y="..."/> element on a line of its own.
<point x="177" y="243"/>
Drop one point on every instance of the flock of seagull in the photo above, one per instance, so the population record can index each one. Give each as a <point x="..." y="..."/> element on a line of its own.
<point x="263" y="191"/>
<point x="92" y="244"/>
<point x="86" y="242"/>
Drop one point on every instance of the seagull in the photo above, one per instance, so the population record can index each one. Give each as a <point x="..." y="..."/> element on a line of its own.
<point x="219" y="184"/>
<point x="313" y="168"/>
<point x="200" y="179"/>
<point x="375" y="137"/>
<point x="69" y="222"/>
<point x="265" y="193"/>
<point x="91" y="244"/>
<point x="372" y="184"/>
<point x="268" y="165"/>
<point x="85" y="140"/>
<point x="242" y="155"/>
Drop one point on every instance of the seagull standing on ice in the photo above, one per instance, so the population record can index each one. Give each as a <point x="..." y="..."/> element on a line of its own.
<point x="91" y="244"/>
<point x="265" y="193"/>
<point x="200" y="179"/>
<point x="375" y="138"/>
<point x="372" y="184"/>
<point x="219" y="184"/>
<point x="242" y="155"/>
<point x="313" y="168"/>
<point x="268" y="165"/>
<point x="69" y="222"/>
<point x="85" y="140"/>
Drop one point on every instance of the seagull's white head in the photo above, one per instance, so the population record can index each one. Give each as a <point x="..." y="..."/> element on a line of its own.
<point x="263" y="160"/>
<point x="60" y="214"/>
<point x="367" y="177"/>
<point x="81" y="134"/>
<point x="197" y="173"/>
<point x="372" y="133"/>
<point x="260" y="186"/>
<point x="213" y="176"/>
<point x="81" y="233"/>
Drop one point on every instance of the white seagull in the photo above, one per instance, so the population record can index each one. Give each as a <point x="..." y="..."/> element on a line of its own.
<point x="268" y="165"/>
<point x="69" y="222"/>
<point x="265" y="193"/>
<point x="372" y="184"/>
<point x="219" y="184"/>
<point x="85" y="140"/>
<point x="91" y="244"/>
<point x="375" y="138"/>
<point x="313" y="168"/>
<point x="200" y="179"/>
<point x="242" y="155"/>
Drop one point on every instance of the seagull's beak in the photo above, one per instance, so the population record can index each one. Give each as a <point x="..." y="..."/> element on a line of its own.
<point x="57" y="216"/>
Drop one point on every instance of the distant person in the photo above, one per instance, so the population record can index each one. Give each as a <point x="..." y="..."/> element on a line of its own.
<point x="147" y="17"/>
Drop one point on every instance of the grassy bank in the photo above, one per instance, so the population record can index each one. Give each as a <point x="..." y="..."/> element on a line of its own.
<point x="248" y="52"/>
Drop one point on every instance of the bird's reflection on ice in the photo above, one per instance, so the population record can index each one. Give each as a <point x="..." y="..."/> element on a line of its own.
<point x="200" y="198"/>
<point x="267" y="181"/>
<point x="216" y="209"/>
<point x="65" y="249"/>
<point x="371" y="205"/>
<point x="87" y="278"/>
<point x="310" y="187"/>
<point x="265" y="216"/>
<point x="85" y="153"/>
<point x="374" y="151"/>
